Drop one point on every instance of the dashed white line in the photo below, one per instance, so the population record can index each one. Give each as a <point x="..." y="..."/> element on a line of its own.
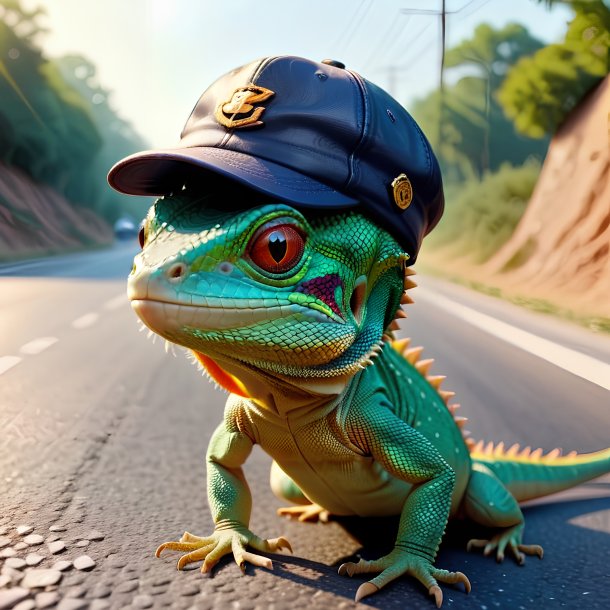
<point x="116" y="302"/>
<point x="85" y="321"/>
<point x="8" y="362"/>
<point x="570" y="360"/>
<point x="37" y="345"/>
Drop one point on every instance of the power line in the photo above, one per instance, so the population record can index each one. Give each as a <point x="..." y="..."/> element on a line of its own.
<point x="354" y="22"/>
<point x="383" y="45"/>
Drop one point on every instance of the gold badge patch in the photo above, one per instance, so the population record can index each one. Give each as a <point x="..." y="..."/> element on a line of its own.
<point x="402" y="191"/>
<point x="240" y="110"/>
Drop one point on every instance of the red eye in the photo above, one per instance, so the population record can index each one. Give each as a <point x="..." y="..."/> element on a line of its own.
<point x="276" y="249"/>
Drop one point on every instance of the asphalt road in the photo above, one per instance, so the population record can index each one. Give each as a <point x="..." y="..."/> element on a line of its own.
<point x="103" y="435"/>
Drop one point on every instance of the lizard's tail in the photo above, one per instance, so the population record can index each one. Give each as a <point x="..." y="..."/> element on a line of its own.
<point x="529" y="474"/>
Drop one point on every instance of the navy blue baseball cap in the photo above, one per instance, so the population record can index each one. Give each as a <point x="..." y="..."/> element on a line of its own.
<point x="314" y="135"/>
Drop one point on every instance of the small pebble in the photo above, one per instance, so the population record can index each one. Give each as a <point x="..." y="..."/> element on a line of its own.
<point x="33" y="559"/>
<point x="15" y="575"/>
<point x="4" y="541"/>
<point x="15" y="562"/>
<point x="62" y="565"/>
<point x="24" y="530"/>
<point x="5" y="579"/>
<point x="70" y="603"/>
<point x="127" y="586"/>
<point x="26" y="604"/>
<point x="8" y="552"/>
<point x="142" y="601"/>
<point x="47" y="598"/>
<point x="82" y="543"/>
<point x="33" y="539"/>
<point x="57" y="528"/>
<point x="52" y="538"/>
<point x="10" y="597"/>
<point x="84" y="562"/>
<point x="40" y="578"/>
<point x="56" y="547"/>
<point x="100" y="590"/>
<point x="76" y="592"/>
<point x="20" y="546"/>
<point x="95" y="535"/>
<point x="99" y="604"/>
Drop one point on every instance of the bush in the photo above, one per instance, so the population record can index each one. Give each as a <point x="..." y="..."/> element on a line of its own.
<point x="480" y="216"/>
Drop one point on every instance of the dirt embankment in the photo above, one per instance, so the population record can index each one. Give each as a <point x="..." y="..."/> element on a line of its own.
<point x="35" y="220"/>
<point x="560" y="251"/>
<point x="561" y="247"/>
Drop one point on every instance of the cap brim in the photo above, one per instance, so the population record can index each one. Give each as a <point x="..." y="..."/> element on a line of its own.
<point x="160" y="172"/>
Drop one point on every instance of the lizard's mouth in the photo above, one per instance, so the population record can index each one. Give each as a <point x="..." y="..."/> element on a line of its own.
<point x="169" y="318"/>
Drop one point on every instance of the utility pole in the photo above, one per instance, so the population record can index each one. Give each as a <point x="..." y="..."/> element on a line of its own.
<point x="441" y="96"/>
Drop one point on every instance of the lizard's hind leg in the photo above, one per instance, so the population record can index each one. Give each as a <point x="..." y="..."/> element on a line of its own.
<point x="488" y="502"/>
<point x="286" y="489"/>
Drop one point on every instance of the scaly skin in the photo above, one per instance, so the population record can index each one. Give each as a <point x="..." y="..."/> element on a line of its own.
<point x="288" y="312"/>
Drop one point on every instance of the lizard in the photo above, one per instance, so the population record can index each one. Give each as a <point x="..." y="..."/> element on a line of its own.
<point x="294" y="312"/>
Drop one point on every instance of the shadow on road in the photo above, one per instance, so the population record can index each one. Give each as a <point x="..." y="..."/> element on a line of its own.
<point x="571" y="551"/>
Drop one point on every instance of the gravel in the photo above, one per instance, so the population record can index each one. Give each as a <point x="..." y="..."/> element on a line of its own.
<point x="40" y="578"/>
<point x="10" y="597"/>
<point x="84" y="562"/>
<point x="33" y="539"/>
<point x="24" y="530"/>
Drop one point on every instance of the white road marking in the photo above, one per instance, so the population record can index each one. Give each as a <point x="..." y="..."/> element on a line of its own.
<point x="8" y="362"/>
<point x="570" y="360"/>
<point x="37" y="345"/>
<point x="85" y="321"/>
<point x="116" y="302"/>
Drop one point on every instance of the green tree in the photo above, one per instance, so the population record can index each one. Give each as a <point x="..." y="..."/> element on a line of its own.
<point x="475" y="137"/>
<point x="540" y="91"/>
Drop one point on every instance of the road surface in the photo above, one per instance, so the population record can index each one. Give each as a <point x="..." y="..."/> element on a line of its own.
<point x="103" y="437"/>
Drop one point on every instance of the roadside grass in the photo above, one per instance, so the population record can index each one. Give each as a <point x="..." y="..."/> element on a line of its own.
<point x="598" y="324"/>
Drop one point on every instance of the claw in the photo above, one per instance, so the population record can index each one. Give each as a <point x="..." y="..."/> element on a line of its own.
<point x="279" y="544"/>
<point x="364" y="590"/>
<point x="438" y="595"/>
<point x="532" y="549"/>
<point x="464" y="580"/>
<point x="347" y="568"/>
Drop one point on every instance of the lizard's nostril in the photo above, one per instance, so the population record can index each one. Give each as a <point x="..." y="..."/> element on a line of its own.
<point x="176" y="272"/>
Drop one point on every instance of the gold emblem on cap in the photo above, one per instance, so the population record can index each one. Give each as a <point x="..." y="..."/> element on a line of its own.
<point x="402" y="191"/>
<point x="240" y="111"/>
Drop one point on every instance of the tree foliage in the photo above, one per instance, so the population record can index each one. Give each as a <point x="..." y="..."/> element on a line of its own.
<point x="467" y="128"/>
<point x="49" y="127"/>
<point x="482" y="215"/>
<point x="539" y="91"/>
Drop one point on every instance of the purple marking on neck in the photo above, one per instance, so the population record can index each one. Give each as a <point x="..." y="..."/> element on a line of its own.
<point x="323" y="288"/>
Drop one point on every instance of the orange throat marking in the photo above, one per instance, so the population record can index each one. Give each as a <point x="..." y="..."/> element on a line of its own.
<point x="221" y="377"/>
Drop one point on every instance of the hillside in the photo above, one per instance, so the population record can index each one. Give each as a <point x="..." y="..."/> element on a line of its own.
<point x="560" y="250"/>
<point x="35" y="220"/>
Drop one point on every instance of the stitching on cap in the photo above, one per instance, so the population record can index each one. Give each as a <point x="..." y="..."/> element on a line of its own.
<point x="353" y="160"/>
<point x="426" y="146"/>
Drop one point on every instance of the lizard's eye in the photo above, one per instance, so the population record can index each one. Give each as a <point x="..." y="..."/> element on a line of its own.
<point x="142" y="236"/>
<point x="276" y="249"/>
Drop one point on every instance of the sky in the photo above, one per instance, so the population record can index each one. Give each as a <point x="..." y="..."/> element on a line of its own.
<point x="158" y="56"/>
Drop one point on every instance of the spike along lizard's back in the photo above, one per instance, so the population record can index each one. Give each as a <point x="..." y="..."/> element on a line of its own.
<point x="294" y="315"/>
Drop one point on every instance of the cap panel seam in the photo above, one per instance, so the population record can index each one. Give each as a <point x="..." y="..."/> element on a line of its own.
<point x="363" y="97"/>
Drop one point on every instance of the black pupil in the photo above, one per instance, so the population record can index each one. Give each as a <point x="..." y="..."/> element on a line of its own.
<point x="277" y="245"/>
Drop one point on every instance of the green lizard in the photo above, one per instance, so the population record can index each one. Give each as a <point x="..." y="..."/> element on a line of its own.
<point x="294" y="314"/>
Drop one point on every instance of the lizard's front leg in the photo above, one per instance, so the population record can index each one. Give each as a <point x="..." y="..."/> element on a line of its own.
<point x="407" y="455"/>
<point x="231" y="502"/>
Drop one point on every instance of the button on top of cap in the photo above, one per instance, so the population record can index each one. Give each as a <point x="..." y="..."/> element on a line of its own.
<point x="334" y="62"/>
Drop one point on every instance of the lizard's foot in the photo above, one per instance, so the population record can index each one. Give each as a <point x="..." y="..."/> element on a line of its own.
<point x="509" y="538"/>
<point x="397" y="563"/>
<point x="210" y="549"/>
<point x="309" y="512"/>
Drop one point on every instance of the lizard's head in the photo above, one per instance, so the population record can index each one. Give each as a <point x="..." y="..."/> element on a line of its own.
<point x="293" y="295"/>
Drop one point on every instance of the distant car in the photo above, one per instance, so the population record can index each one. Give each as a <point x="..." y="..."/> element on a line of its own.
<point x="125" y="228"/>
